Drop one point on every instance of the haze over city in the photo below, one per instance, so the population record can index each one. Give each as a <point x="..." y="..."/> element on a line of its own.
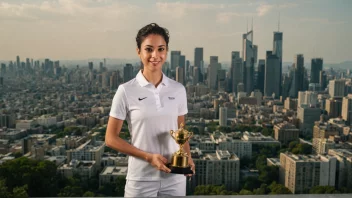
<point x="83" y="29"/>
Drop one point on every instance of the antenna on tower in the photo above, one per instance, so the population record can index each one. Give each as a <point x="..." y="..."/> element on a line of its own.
<point x="247" y="24"/>
<point x="278" y="24"/>
<point x="252" y="24"/>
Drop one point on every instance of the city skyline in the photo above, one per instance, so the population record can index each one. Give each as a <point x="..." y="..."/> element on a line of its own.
<point x="84" y="29"/>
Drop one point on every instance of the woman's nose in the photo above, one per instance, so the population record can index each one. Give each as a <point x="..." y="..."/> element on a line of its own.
<point x="155" y="54"/>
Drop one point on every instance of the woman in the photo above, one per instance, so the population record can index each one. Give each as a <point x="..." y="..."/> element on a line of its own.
<point x="152" y="104"/>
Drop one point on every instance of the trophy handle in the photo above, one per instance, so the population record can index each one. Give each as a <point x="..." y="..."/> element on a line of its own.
<point x="172" y="134"/>
<point x="191" y="134"/>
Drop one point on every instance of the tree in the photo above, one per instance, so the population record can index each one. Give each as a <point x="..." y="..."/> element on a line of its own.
<point x="20" y="192"/>
<point x="39" y="176"/>
<point x="268" y="174"/>
<point x="277" y="189"/>
<point x="323" y="190"/>
<point x="245" y="192"/>
<point x="120" y="186"/>
<point x="4" y="190"/>
<point x="88" y="194"/>
<point x="71" y="191"/>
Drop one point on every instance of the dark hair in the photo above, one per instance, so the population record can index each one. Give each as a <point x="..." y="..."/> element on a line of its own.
<point x="152" y="28"/>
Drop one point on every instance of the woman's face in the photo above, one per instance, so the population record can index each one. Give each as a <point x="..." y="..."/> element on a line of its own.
<point x="153" y="52"/>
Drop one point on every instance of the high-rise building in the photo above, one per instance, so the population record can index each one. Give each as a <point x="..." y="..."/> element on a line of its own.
<point x="261" y="75"/>
<point x="272" y="79"/>
<point x="286" y="132"/>
<point x="18" y="62"/>
<point x="175" y="59"/>
<point x="213" y="73"/>
<point x="223" y="116"/>
<point x="198" y="56"/>
<point x="180" y="77"/>
<point x="337" y="88"/>
<point x="218" y="168"/>
<point x="344" y="167"/>
<point x="90" y="66"/>
<point x="322" y="80"/>
<point x="196" y="74"/>
<point x="277" y="50"/>
<point x="316" y="67"/>
<point x="347" y="109"/>
<point x="309" y="98"/>
<point x="249" y="53"/>
<point x="298" y="80"/>
<point x="127" y="72"/>
<point x="299" y="173"/>
<point x="307" y="116"/>
<point x="334" y="107"/>
<point x="236" y="70"/>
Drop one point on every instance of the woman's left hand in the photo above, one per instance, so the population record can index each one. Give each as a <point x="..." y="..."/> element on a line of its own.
<point x="193" y="167"/>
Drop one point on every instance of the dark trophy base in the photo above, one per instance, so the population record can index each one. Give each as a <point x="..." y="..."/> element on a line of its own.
<point x="179" y="170"/>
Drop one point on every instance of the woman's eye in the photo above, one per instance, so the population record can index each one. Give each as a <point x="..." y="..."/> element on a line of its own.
<point x="148" y="49"/>
<point x="161" y="49"/>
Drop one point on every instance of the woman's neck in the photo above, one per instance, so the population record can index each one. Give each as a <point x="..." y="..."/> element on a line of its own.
<point x="154" y="78"/>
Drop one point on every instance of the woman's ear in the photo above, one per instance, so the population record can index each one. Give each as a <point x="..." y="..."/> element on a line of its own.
<point x="137" y="50"/>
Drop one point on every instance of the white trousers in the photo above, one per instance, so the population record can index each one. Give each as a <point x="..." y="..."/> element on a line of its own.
<point x="166" y="187"/>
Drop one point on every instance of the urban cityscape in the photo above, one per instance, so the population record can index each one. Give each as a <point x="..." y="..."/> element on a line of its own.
<point x="261" y="125"/>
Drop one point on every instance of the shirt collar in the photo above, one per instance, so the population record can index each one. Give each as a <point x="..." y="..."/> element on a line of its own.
<point x="143" y="82"/>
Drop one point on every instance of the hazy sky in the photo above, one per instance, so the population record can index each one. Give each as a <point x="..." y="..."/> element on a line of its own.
<point x="82" y="29"/>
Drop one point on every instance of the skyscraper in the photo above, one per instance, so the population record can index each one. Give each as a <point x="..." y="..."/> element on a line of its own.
<point x="223" y="116"/>
<point x="213" y="73"/>
<point x="272" y="75"/>
<point x="261" y="75"/>
<point x="180" y="77"/>
<point x="175" y="59"/>
<point x="316" y="67"/>
<point x="198" y="56"/>
<point x="249" y="53"/>
<point x="277" y="50"/>
<point x="90" y="66"/>
<point x="18" y="62"/>
<point x="127" y="72"/>
<point x="347" y="109"/>
<point x="297" y="76"/>
<point x="337" y="88"/>
<point x="236" y="70"/>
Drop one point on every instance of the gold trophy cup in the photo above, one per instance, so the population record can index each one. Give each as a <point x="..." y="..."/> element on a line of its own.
<point x="179" y="162"/>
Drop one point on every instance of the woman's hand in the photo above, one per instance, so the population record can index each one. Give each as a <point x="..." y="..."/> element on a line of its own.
<point x="192" y="165"/>
<point x="158" y="161"/>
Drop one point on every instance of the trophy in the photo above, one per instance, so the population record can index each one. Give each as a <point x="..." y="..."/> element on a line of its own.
<point x="179" y="162"/>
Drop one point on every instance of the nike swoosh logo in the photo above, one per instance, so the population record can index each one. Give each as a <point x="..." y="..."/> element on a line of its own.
<point x="142" y="98"/>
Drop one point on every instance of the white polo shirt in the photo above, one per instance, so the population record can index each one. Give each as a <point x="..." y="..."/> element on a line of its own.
<point x="151" y="112"/>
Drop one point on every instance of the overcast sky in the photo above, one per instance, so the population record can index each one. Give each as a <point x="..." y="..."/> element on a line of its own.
<point x="82" y="29"/>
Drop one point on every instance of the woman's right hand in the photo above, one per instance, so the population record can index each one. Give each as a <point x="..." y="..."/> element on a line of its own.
<point x="158" y="161"/>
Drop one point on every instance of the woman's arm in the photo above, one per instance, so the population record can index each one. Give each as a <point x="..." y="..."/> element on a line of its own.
<point x="113" y="140"/>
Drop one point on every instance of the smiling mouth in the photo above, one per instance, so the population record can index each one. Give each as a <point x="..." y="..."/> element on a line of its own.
<point x="155" y="62"/>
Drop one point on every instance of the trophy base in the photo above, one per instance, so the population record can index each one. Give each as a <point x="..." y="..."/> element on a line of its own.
<point x="180" y="170"/>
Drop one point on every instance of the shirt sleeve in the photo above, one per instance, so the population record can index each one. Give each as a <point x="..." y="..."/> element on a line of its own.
<point x="119" y="106"/>
<point x="182" y="109"/>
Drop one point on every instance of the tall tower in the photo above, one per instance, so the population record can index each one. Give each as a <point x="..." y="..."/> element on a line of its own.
<point x="272" y="75"/>
<point x="316" y="67"/>
<point x="127" y="72"/>
<point x="261" y="75"/>
<point x="236" y="70"/>
<point x="180" y="77"/>
<point x="213" y="73"/>
<point x="277" y="50"/>
<point x="199" y="62"/>
<point x="249" y="54"/>
<point x="175" y="59"/>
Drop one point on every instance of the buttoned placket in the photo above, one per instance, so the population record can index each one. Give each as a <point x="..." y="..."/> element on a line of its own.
<point x="156" y="91"/>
